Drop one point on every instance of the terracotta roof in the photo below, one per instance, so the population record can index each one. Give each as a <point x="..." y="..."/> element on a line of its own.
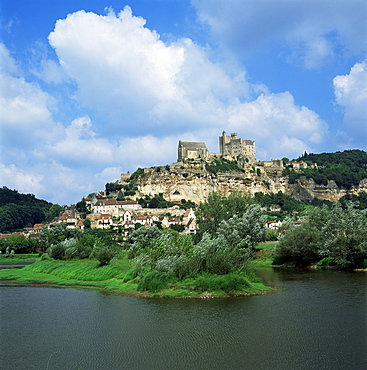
<point x="105" y="216"/>
<point x="114" y="202"/>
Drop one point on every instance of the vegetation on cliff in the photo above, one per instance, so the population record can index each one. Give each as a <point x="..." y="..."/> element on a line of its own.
<point x="223" y="164"/>
<point x="346" y="168"/>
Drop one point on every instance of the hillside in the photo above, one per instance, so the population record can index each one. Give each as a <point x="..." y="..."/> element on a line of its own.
<point x="17" y="210"/>
<point x="346" y="168"/>
<point x="336" y="175"/>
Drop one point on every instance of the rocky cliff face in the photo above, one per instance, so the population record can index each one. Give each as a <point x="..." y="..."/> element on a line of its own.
<point x="191" y="181"/>
<point x="307" y="189"/>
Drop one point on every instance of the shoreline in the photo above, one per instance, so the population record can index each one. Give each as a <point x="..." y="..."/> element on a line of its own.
<point x="136" y="293"/>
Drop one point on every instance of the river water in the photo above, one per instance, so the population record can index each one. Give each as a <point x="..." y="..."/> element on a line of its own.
<point x="317" y="322"/>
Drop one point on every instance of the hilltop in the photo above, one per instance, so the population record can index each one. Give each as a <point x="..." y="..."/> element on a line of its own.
<point x="327" y="176"/>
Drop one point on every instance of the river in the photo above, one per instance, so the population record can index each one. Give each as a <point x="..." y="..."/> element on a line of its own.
<point x="317" y="322"/>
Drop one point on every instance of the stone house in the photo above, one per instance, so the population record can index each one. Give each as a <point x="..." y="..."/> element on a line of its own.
<point x="191" y="150"/>
<point x="233" y="145"/>
<point x="114" y="207"/>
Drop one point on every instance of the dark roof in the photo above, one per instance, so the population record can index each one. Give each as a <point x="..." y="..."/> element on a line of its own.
<point x="193" y="145"/>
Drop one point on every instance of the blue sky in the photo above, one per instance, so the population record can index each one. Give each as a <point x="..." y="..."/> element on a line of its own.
<point x="93" y="88"/>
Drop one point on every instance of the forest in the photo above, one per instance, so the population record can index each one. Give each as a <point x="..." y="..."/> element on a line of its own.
<point x="346" y="168"/>
<point x="17" y="210"/>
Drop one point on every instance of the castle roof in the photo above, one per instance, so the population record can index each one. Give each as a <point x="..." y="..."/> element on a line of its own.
<point x="192" y="145"/>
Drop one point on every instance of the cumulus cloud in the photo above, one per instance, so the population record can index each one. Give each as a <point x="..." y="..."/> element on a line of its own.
<point x="311" y="30"/>
<point x="80" y="145"/>
<point x="123" y="70"/>
<point x="21" y="180"/>
<point x="351" y="94"/>
<point x="278" y="124"/>
<point x="25" y="112"/>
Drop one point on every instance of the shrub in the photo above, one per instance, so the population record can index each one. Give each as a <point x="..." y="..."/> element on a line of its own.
<point x="272" y="235"/>
<point x="153" y="281"/>
<point x="227" y="283"/>
<point x="104" y="254"/>
<point x="130" y="275"/>
<point x="327" y="261"/>
<point x="57" y="251"/>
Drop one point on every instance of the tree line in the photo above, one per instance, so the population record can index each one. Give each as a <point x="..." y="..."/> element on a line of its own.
<point x="346" y="168"/>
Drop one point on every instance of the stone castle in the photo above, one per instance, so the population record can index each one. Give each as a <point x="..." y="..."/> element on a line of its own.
<point x="228" y="145"/>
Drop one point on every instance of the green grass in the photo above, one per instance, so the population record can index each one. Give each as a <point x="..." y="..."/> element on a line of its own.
<point x="266" y="245"/>
<point x="86" y="273"/>
<point x="19" y="258"/>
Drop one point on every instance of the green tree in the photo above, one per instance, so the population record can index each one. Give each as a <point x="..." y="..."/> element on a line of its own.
<point x="87" y="223"/>
<point x="217" y="208"/>
<point x="345" y="236"/>
<point x="326" y="232"/>
<point x="53" y="212"/>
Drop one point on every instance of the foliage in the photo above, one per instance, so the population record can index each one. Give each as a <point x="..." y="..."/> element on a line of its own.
<point x="338" y="233"/>
<point x="187" y="204"/>
<point x="19" y="243"/>
<point x="153" y="281"/>
<point x="359" y="200"/>
<point x="112" y="187"/>
<point x="286" y="202"/>
<point x="157" y="201"/>
<point x="272" y="235"/>
<point x="227" y="251"/>
<point x="345" y="236"/>
<point x="228" y="283"/>
<point x="217" y="208"/>
<point x="17" y="210"/>
<point x="178" y="228"/>
<point x="87" y="222"/>
<point x="57" y="233"/>
<point x="82" y="207"/>
<point x="104" y="254"/>
<point x="53" y="211"/>
<point x="346" y="168"/>
<point x="223" y="164"/>
<point x="141" y="238"/>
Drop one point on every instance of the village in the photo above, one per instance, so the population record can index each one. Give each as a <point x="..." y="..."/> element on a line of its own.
<point x="105" y="211"/>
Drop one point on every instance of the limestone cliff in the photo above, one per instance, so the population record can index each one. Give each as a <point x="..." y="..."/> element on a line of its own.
<point x="307" y="189"/>
<point x="191" y="181"/>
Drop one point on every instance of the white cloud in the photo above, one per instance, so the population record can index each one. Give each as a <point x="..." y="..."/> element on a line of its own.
<point x="7" y="64"/>
<point x="80" y="146"/>
<point x="25" y="114"/>
<point x="351" y="94"/>
<point x="23" y="181"/>
<point x="49" y="71"/>
<point x="275" y="122"/>
<point x="312" y="29"/>
<point x="125" y="72"/>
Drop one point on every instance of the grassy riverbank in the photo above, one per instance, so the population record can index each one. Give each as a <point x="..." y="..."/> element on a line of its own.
<point x="115" y="278"/>
<point x="19" y="258"/>
<point x="265" y="253"/>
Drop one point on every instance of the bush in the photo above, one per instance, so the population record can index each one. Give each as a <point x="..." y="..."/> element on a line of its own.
<point x="272" y="236"/>
<point x="57" y="251"/>
<point x="153" y="281"/>
<point x="327" y="261"/>
<point x="228" y="283"/>
<point x="104" y="255"/>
